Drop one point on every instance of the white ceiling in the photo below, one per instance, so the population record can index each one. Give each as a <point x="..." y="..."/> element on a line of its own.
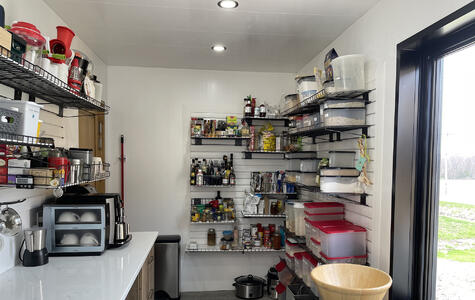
<point x="261" y="35"/>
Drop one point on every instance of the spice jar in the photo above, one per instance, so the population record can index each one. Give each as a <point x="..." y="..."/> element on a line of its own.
<point x="211" y="237"/>
<point x="274" y="210"/>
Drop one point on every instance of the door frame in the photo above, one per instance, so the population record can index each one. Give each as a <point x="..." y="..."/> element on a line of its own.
<point x="416" y="152"/>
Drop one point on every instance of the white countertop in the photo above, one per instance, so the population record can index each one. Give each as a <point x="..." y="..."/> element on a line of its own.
<point x="106" y="277"/>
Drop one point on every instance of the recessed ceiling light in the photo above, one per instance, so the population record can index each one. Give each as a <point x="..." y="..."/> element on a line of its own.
<point x="218" y="48"/>
<point x="228" y="4"/>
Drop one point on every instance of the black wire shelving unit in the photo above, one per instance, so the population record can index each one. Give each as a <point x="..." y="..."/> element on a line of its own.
<point x="23" y="140"/>
<point x="238" y="140"/>
<point x="24" y="76"/>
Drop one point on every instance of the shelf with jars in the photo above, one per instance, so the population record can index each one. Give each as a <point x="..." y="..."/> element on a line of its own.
<point x="212" y="173"/>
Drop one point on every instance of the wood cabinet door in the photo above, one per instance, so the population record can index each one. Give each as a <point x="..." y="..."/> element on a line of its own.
<point x="151" y="274"/>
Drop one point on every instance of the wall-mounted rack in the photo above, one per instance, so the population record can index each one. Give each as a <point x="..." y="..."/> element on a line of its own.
<point x="263" y="154"/>
<point x="26" y="77"/>
<point x="213" y="222"/>
<point x="247" y="215"/>
<point x="216" y="249"/>
<point x="199" y="140"/>
<point x="333" y="132"/>
<point x="23" y="140"/>
<point x="261" y="121"/>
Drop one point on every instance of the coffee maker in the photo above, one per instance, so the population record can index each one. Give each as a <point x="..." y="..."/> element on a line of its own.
<point x="35" y="253"/>
<point x="117" y="230"/>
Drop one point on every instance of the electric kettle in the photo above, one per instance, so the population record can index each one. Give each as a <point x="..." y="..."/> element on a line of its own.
<point x="35" y="253"/>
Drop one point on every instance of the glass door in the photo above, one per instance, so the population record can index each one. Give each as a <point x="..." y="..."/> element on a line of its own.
<point x="456" y="205"/>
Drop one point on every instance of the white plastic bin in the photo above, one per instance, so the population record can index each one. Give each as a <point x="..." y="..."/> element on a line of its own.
<point x="308" y="165"/>
<point x="325" y="216"/>
<point x="289" y="216"/>
<point x="290" y="102"/>
<point x="324" y="207"/>
<point x="308" y="179"/>
<point x="344" y="116"/>
<point x="316" y="232"/>
<point x="341" y="184"/>
<point x="343" y="241"/>
<point x="315" y="246"/>
<point x="344" y="103"/>
<point x="307" y="86"/>
<point x="359" y="260"/>
<point x="290" y="261"/>
<point x="341" y="159"/>
<point x="31" y="115"/>
<point x="348" y="73"/>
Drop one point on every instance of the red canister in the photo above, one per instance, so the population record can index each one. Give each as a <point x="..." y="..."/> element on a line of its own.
<point x="61" y="164"/>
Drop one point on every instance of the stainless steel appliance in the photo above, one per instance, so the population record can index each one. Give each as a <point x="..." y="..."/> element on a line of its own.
<point x="167" y="266"/>
<point x="35" y="253"/>
<point x="85" y="156"/>
<point x="117" y="230"/>
<point x="249" y="287"/>
<point x="272" y="282"/>
<point x="75" y="229"/>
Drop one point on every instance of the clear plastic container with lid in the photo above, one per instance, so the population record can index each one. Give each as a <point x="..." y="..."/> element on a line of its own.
<point x="290" y="261"/>
<point x="289" y="216"/>
<point x="360" y="260"/>
<point x="315" y="247"/>
<point x="307" y="179"/>
<point x="343" y="241"/>
<point x="309" y="263"/>
<point x="299" y="217"/>
<point x="341" y="159"/>
<point x="308" y="165"/>
<point x="324" y="216"/>
<point x="291" y="248"/>
<point x="344" y="116"/>
<point x="324" y="207"/>
<point x="335" y="223"/>
<point x="344" y="103"/>
<point x="341" y="184"/>
<point x="298" y="259"/>
<point x="348" y="72"/>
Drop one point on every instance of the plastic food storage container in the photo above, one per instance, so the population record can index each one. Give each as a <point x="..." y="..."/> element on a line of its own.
<point x="341" y="159"/>
<point x="294" y="164"/>
<point x="316" y="232"/>
<point x="290" y="102"/>
<point x="359" y="260"/>
<point x="308" y="179"/>
<point x="307" y="86"/>
<point x="324" y="207"/>
<point x="348" y="73"/>
<point x="31" y="115"/>
<point x="339" y="172"/>
<point x="344" y="103"/>
<point x="299" y="219"/>
<point x="344" y="116"/>
<point x="290" y="261"/>
<point x="343" y="241"/>
<point x="309" y="263"/>
<point x="311" y="120"/>
<point x="308" y="165"/>
<point x="291" y="248"/>
<point x="325" y="216"/>
<point x="315" y="246"/>
<point x="289" y="216"/>
<point x="340" y="184"/>
<point x="298" y="259"/>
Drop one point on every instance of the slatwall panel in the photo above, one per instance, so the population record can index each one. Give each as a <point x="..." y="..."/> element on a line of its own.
<point x="242" y="168"/>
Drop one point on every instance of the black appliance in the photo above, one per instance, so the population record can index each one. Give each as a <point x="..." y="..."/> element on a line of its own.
<point x="35" y="253"/>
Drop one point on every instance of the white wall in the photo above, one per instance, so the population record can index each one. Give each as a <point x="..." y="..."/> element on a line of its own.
<point x="38" y="13"/>
<point x="152" y="108"/>
<point x="376" y="35"/>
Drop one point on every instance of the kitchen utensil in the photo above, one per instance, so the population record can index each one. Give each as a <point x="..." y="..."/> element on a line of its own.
<point x="120" y="231"/>
<point x="68" y="217"/>
<point x="89" y="239"/>
<point x="249" y="287"/>
<point x="96" y="167"/>
<point x="85" y="155"/>
<point x="35" y="253"/>
<point x="122" y="166"/>
<point x="69" y="239"/>
<point x="76" y="171"/>
<point x="65" y="35"/>
<point x="88" y="217"/>
<point x="10" y="222"/>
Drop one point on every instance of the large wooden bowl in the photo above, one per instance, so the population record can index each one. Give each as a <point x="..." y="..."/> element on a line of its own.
<point x="350" y="282"/>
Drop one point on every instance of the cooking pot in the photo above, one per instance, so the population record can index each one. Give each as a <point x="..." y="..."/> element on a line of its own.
<point x="249" y="287"/>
